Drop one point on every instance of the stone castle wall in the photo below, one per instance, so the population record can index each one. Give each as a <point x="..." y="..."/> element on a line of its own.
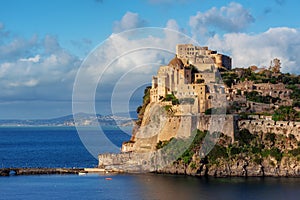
<point x="270" y="126"/>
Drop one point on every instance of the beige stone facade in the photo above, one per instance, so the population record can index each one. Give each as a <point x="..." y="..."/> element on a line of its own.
<point x="202" y="57"/>
<point x="265" y="89"/>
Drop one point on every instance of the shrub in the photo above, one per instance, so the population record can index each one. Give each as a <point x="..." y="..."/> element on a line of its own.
<point x="295" y="152"/>
<point x="276" y="153"/>
<point x="271" y="137"/>
<point x="167" y="107"/>
<point x="265" y="153"/>
<point x="193" y="165"/>
<point x="235" y="150"/>
<point x="257" y="160"/>
<point x="245" y="137"/>
<point x="161" y="144"/>
<point x="217" y="152"/>
<point x="285" y="113"/>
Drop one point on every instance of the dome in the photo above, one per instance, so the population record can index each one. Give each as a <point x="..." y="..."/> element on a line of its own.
<point x="176" y="63"/>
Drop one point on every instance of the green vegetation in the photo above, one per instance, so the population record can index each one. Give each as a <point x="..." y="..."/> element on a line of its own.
<point x="194" y="147"/>
<point x="270" y="136"/>
<point x="257" y="97"/>
<point x="253" y="146"/>
<point x="295" y="95"/>
<point x="229" y="78"/>
<point x="295" y="152"/>
<point x="217" y="152"/>
<point x="276" y="153"/>
<point x="172" y="98"/>
<point x="286" y="113"/>
<point x="244" y="137"/>
<point x="141" y="109"/>
<point x="167" y="107"/>
<point x="162" y="144"/>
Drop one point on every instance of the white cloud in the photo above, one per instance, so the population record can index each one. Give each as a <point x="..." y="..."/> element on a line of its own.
<point x="129" y="21"/>
<point x="42" y="70"/>
<point x="260" y="49"/>
<point x="17" y="47"/>
<point x="34" y="59"/>
<point x="172" y="24"/>
<point x="231" y="18"/>
<point x="51" y="44"/>
<point x="29" y="83"/>
<point x="126" y="61"/>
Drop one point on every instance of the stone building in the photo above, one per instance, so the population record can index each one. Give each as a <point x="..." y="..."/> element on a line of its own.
<point x="178" y="79"/>
<point x="202" y="57"/>
<point x="265" y="89"/>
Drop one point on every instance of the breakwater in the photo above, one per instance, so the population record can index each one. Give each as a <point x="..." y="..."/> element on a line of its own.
<point x="40" y="171"/>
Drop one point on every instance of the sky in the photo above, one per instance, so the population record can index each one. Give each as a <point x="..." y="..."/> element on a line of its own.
<point x="45" y="44"/>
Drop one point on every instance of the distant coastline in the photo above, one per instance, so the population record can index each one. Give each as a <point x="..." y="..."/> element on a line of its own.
<point x="83" y="119"/>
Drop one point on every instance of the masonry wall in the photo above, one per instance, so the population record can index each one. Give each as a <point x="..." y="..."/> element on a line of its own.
<point x="270" y="126"/>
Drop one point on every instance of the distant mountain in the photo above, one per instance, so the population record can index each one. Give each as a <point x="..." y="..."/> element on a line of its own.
<point x="82" y="119"/>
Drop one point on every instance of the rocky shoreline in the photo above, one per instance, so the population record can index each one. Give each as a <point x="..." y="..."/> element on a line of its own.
<point x="225" y="171"/>
<point x="241" y="168"/>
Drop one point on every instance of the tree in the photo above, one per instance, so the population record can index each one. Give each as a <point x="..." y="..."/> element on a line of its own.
<point x="285" y="113"/>
<point x="275" y="65"/>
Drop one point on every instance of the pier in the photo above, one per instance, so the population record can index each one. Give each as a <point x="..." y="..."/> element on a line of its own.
<point x="39" y="171"/>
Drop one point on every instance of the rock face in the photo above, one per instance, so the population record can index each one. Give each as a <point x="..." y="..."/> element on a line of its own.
<point x="288" y="167"/>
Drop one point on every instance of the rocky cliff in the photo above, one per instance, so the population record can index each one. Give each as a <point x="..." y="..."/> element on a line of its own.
<point x="250" y="155"/>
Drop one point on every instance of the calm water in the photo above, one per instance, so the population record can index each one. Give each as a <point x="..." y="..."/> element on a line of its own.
<point x="61" y="147"/>
<point x="49" y="146"/>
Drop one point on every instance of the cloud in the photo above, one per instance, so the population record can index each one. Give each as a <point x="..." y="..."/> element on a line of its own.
<point x="29" y="83"/>
<point x="17" y="47"/>
<point x="129" y="21"/>
<point x="36" y="68"/>
<point x="34" y="59"/>
<point x="231" y="18"/>
<point x="260" y="49"/>
<point x="172" y="24"/>
<point x="51" y="44"/>
<point x="125" y="62"/>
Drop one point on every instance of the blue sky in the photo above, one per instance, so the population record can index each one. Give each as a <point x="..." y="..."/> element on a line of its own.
<point x="43" y="43"/>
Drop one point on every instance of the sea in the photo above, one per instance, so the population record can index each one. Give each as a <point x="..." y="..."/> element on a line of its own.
<point x="62" y="147"/>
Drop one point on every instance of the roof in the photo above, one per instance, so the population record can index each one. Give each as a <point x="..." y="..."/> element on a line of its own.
<point x="176" y="63"/>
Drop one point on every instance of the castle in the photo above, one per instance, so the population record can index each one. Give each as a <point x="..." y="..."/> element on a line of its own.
<point x="202" y="57"/>
<point x="189" y="86"/>
<point x="180" y="97"/>
<point x="191" y="74"/>
<point x="191" y="80"/>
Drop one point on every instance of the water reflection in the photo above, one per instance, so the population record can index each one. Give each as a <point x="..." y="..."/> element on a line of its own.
<point x="184" y="187"/>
